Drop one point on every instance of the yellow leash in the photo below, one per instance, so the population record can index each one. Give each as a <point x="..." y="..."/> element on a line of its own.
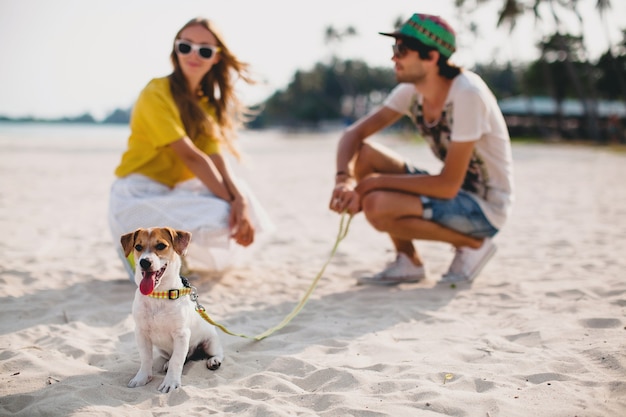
<point x="343" y="231"/>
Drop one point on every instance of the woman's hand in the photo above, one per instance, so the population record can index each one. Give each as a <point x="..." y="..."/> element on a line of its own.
<point x="240" y="223"/>
<point x="345" y="197"/>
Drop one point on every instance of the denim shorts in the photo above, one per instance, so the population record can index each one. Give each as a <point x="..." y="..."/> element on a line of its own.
<point x="461" y="213"/>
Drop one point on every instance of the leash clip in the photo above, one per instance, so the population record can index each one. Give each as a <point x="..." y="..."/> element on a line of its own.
<point x="194" y="297"/>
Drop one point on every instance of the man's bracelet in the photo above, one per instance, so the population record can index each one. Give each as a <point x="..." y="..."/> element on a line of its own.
<point x="342" y="173"/>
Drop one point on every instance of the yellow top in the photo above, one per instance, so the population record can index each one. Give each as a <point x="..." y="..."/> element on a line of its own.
<point x="155" y="123"/>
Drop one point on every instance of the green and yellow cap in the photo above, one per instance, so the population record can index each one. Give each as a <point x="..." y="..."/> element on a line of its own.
<point x="430" y="30"/>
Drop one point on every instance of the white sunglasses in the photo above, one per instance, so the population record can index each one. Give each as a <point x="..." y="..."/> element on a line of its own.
<point x="204" y="51"/>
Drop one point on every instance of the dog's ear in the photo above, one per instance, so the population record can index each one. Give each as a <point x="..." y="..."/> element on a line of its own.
<point x="180" y="240"/>
<point x="128" y="241"/>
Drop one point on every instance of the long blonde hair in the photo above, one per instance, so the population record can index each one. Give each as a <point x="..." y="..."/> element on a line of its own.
<point x="218" y="87"/>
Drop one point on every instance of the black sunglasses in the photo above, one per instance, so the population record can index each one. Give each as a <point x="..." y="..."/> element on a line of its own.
<point x="400" y="50"/>
<point x="204" y="51"/>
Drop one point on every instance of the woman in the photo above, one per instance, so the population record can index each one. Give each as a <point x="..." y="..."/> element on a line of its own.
<point x="173" y="172"/>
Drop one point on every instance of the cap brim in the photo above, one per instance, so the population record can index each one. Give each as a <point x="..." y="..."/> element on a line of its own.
<point x="392" y="34"/>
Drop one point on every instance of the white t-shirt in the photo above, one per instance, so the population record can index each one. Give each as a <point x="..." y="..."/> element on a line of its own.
<point x="470" y="114"/>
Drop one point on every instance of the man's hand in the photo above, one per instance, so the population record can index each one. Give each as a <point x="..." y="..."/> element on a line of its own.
<point x="345" y="197"/>
<point x="369" y="183"/>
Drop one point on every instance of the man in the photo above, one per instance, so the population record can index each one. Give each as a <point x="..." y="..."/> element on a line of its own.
<point x="469" y="200"/>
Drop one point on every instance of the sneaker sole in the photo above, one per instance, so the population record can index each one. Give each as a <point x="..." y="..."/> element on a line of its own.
<point x="394" y="281"/>
<point x="454" y="278"/>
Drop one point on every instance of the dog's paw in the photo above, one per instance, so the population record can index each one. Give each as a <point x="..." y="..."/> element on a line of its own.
<point x="169" y="385"/>
<point x="213" y="363"/>
<point x="139" y="380"/>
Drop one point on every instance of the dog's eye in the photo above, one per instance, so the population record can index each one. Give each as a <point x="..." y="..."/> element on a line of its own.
<point x="138" y="248"/>
<point x="160" y="246"/>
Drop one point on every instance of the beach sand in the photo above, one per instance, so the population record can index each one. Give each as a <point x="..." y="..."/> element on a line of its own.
<point x="541" y="332"/>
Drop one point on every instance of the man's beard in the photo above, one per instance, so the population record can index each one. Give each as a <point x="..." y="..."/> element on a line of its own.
<point x="410" y="78"/>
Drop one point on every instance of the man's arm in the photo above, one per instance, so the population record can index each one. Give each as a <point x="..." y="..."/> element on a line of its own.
<point x="444" y="185"/>
<point x="353" y="136"/>
<point x="344" y="196"/>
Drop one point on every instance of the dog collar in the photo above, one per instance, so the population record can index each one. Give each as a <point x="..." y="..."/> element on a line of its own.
<point x="171" y="294"/>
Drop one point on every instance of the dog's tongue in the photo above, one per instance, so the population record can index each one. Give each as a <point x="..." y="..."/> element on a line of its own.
<point x="147" y="283"/>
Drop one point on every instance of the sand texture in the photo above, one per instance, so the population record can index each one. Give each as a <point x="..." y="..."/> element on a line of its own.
<point x="541" y="332"/>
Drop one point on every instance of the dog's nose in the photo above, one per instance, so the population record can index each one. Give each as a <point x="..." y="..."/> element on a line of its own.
<point x="145" y="263"/>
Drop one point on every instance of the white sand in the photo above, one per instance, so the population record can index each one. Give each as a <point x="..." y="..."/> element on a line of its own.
<point x="540" y="333"/>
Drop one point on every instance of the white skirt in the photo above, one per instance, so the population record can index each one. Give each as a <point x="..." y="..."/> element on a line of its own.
<point x="138" y="201"/>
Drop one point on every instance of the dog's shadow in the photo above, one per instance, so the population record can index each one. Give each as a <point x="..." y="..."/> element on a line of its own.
<point x="95" y="303"/>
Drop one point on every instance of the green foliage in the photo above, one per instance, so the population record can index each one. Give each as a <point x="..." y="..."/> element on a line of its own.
<point x="504" y="81"/>
<point x="606" y="79"/>
<point x="611" y="82"/>
<point x="318" y="95"/>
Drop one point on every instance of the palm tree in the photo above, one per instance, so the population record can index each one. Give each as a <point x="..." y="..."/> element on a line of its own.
<point x="603" y="6"/>
<point x="512" y="9"/>
<point x="333" y="36"/>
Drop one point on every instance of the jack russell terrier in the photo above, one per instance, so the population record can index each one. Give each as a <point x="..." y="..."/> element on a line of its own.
<point x="164" y="316"/>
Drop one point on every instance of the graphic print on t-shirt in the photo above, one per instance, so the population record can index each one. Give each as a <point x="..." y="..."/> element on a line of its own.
<point x="438" y="137"/>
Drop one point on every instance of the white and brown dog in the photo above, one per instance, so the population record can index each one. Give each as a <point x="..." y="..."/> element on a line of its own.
<point x="163" y="318"/>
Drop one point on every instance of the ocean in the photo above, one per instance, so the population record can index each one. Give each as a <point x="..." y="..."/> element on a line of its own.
<point x="59" y="136"/>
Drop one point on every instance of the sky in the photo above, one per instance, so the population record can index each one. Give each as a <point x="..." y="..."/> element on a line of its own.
<point x="70" y="57"/>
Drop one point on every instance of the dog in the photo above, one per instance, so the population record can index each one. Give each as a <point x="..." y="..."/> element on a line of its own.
<point x="170" y="324"/>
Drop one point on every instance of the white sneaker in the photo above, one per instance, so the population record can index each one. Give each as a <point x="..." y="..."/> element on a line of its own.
<point x="397" y="272"/>
<point x="468" y="262"/>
